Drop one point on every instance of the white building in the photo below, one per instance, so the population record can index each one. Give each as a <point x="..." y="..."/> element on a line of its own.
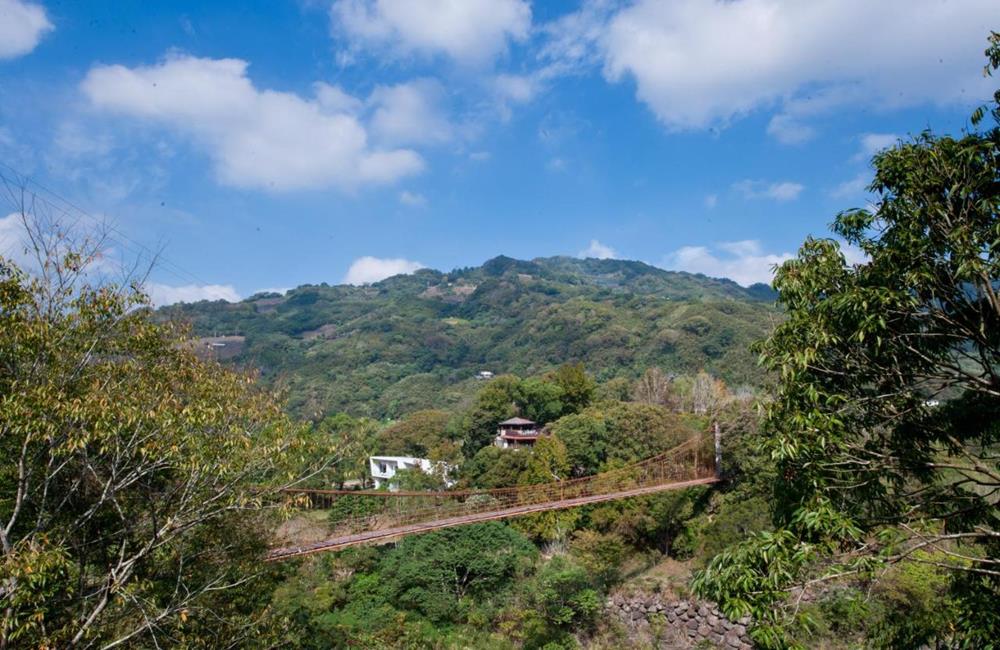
<point x="384" y="468"/>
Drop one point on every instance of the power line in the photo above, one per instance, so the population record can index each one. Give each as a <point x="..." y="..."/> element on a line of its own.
<point x="52" y="199"/>
<point x="68" y="208"/>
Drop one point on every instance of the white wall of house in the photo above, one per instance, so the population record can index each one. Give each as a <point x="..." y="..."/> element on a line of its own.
<point x="383" y="468"/>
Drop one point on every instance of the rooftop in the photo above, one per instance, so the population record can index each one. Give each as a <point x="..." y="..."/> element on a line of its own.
<point x="517" y="421"/>
<point x="396" y="459"/>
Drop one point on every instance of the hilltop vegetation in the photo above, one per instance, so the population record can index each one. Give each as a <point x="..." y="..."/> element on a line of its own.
<point x="415" y="342"/>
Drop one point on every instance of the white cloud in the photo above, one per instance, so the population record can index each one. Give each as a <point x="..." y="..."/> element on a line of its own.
<point x="784" y="191"/>
<point x="480" y="156"/>
<point x="853" y="255"/>
<point x="742" y="248"/>
<point x="700" y="63"/>
<point x="279" y="290"/>
<point x="780" y="191"/>
<point x="852" y="187"/>
<point x="22" y="26"/>
<point x="872" y="143"/>
<point x="559" y="127"/>
<point x="165" y="294"/>
<point x="598" y="250"/>
<point x="15" y="244"/>
<point x="256" y="138"/>
<point x="470" y="32"/>
<point x="13" y="240"/>
<point x="516" y="88"/>
<point x="59" y="237"/>
<point x="556" y="164"/>
<point x="75" y="140"/>
<point x="412" y="199"/>
<point x="366" y="270"/>
<point x="410" y="113"/>
<point x="335" y="99"/>
<point x="790" y="126"/>
<point x="572" y="40"/>
<point x="711" y="201"/>
<point x="787" y="129"/>
<point x="742" y="261"/>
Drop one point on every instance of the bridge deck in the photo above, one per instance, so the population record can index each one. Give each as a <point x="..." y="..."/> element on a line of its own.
<point x="388" y="534"/>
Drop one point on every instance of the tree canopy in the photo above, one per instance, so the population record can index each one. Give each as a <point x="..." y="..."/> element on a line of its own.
<point x="886" y="420"/>
<point x="133" y="471"/>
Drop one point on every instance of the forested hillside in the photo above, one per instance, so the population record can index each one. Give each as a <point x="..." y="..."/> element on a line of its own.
<point x="417" y="341"/>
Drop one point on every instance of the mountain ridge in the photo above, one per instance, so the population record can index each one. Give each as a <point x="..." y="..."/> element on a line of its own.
<point x="496" y="266"/>
<point x="417" y="340"/>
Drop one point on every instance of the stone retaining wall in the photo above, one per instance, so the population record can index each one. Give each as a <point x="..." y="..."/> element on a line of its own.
<point x="680" y="623"/>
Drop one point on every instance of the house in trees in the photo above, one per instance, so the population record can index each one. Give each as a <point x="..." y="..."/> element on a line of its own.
<point x="384" y="468"/>
<point x="517" y="433"/>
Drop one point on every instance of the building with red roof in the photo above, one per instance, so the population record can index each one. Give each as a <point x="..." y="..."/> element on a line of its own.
<point x="517" y="433"/>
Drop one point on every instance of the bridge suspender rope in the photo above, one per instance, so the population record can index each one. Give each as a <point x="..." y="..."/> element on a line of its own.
<point x="398" y="514"/>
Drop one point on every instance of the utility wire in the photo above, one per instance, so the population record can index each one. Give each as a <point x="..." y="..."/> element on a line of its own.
<point x="17" y="179"/>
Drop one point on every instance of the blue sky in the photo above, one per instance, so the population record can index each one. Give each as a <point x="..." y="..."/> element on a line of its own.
<point x="270" y="144"/>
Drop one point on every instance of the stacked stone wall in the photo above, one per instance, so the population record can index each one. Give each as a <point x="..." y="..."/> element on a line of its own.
<point x="678" y="623"/>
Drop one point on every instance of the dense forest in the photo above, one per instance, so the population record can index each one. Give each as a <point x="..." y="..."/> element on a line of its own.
<point x="417" y="341"/>
<point x="539" y="580"/>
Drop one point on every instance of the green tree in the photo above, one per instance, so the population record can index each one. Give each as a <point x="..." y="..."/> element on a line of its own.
<point x="886" y="420"/>
<point x="546" y="463"/>
<point x="578" y="388"/>
<point x="416" y="479"/>
<point x="494" y="404"/>
<point x="616" y="389"/>
<point x="356" y="439"/>
<point x="619" y="433"/>
<point x="654" y="521"/>
<point x="601" y="554"/>
<point x="586" y="438"/>
<point x="348" y="507"/>
<point x="423" y="434"/>
<point x="435" y="573"/>
<point x="563" y="600"/>
<point x="493" y="467"/>
<point x="638" y="431"/>
<point x="305" y="601"/>
<point x="540" y="400"/>
<point x="132" y="470"/>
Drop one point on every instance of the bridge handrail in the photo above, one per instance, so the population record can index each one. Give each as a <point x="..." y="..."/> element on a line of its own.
<point x="417" y="512"/>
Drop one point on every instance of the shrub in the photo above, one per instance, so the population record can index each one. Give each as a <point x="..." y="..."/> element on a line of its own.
<point x="350" y="506"/>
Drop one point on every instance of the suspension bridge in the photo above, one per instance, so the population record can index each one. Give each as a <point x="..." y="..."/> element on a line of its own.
<point x="392" y="515"/>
